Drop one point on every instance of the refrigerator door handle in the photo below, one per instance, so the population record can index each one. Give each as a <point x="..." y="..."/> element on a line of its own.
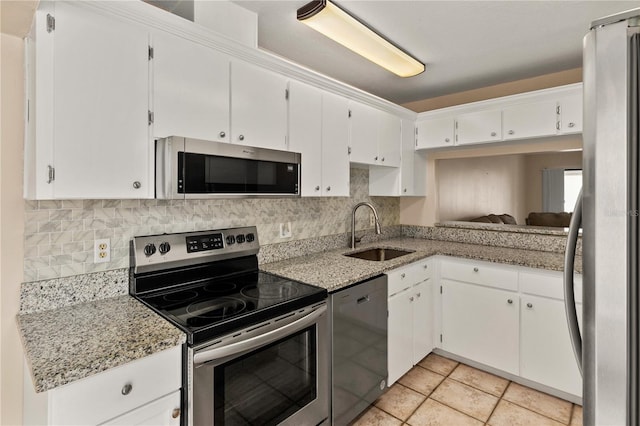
<point x="569" y="298"/>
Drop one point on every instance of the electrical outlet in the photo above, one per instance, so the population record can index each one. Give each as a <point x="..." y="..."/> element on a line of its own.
<point x="102" y="251"/>
<point x="285" y="230"/>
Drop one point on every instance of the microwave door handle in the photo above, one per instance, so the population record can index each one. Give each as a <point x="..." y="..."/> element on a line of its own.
<point x="569" y="298"/>
<point x="223" y="353"/>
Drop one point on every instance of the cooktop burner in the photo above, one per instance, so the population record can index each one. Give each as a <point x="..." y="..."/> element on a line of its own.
<point x="208" y="283"/>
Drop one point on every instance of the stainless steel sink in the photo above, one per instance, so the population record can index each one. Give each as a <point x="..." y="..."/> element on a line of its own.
<point x="378" y="254"/>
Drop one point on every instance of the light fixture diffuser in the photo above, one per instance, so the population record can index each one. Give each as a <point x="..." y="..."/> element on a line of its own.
<point x="328" y="19"/>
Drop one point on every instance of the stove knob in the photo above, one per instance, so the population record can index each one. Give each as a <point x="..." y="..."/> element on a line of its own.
<point x="230" y="239"/>
<point x="149" y="249"/>
<point x="239" y="238"/>
<point x="164" y="248"/>
<point x="250" y="238"/>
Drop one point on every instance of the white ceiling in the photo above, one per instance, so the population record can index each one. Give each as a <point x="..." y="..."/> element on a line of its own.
<point x="464" y="44"/>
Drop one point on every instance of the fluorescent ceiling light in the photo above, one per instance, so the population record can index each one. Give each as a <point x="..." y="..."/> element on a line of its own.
<point x="328" y="19"/>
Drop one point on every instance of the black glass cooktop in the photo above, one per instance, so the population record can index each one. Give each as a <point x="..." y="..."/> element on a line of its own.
<point x="212" y="307"/>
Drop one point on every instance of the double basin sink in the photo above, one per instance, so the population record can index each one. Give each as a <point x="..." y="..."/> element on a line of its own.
<point x="378" y="254"/>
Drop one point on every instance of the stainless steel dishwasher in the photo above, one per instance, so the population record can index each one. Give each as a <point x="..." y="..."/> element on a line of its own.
<point x="359" y="348"/>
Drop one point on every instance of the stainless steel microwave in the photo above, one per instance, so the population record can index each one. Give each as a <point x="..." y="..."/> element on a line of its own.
<point x="194" y="168"/>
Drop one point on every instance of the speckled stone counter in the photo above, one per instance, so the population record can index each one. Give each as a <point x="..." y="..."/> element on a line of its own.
<point x="70" y="343"/>
<point x="333" y="271"/>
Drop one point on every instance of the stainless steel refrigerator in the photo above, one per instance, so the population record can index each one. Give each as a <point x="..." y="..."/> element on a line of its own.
<point x="609" y="210"/>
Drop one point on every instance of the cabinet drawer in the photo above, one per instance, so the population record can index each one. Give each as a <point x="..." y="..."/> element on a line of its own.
<point x="407" y="276"/>
<point x="483" y="273"/>
<point x="106" y="395"/>
<point x="548" y="284"/>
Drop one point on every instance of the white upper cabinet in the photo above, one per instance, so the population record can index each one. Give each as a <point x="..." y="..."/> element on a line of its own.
<point x="190" y="89"/>
<point x="477" y="127"/>
<point x="570" y="112"/>
<point x="258" y="107"/>
<point x="91" y="96"/>
<point x="335" y="145"/>
<point x="528" y="120"/>
<point x="435" y="132"/>
<point x="364" y="133"/>
<point x="389" y="132"/>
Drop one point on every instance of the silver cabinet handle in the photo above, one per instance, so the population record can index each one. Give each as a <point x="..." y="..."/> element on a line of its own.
<point x="241" y="137"/>
<point x="404" y="190"/>
<point x="126" y="389"/>
<point x="376" y="158"/>
<point x="529" y="305"/>
<point x="402" y="275"/>
<point x="511" y="132"/>
<point x="328" y="188"/>
<point x="475" y="269"/>
<point x="569" y="298"/>
<point x="510" y="301"/>
<point x="223" y="134"/>
<point x="571" y="124"/>
<point x="493" y="134"/>
<point x="383" y="159"/>
<point x="318" y="188"/>
<point x="411" y="298"/>
<point x="137" y="185"/>
<point x="418" y="295"/>
<point x="447" y="140"/>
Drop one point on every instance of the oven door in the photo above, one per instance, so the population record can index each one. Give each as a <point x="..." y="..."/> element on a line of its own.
<point x="272" y="373"/>
<point x="193" y="168"/>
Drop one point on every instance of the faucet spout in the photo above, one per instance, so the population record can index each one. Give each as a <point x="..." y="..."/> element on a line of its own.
<point x="353" y="222"/>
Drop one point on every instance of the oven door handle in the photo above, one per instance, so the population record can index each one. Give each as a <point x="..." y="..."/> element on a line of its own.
<point x="221" y="354"/>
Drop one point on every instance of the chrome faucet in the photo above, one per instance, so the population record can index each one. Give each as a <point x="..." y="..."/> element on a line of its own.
<point x="353" y="222"/>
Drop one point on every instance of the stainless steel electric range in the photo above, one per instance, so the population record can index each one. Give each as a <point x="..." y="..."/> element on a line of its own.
<point x="257" y="350"/>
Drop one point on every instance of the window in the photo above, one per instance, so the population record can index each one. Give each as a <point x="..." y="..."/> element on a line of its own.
<point x="572" y="186"/>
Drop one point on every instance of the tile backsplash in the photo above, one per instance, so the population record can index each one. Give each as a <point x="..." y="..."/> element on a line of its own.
<point x="60" y="234"/>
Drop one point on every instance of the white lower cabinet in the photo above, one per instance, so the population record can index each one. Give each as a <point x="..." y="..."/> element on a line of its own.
<point x="144" y="391"/>
<point x="481" y="324"/>
<point x="410" y="323"/>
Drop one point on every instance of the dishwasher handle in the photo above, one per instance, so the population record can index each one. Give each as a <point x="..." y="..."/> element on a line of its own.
<point x="569" y="297"/>
<point x="222" y="353"/>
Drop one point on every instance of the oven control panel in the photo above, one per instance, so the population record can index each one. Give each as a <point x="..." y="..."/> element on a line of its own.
<point x="160" y="251"/>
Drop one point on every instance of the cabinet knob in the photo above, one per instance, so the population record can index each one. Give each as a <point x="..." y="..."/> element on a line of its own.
<point x="382" y="158"/>
<point x="418" y="295"/>
<point x="318" y="188"/>
<point x="126" y="389"/>
<point x="241" y="137"/>
<point x="571" y="124"/>
<point x="529" y="305"/>
<point x="493" y="134"/>
<point x="447" y="140"/>
<point x="511" y="132"/>
<point x="404" y="190"/>
<point x="411" y="298"/>
<point x="510" y="301"/>
<point x="426" y="266"/>
<point x="376" y="158"/>
<point x="137" y="185"/>
<point x="402" y="275"/>
<point x="223" y="134"/>
<point x="175" y="413"/>
<point x="476" y="269"/>
<point x="328" y="188"/>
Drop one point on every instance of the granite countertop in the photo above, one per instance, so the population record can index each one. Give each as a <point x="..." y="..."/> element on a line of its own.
<point x="66" y="344"/>
<point x="333" y="271"/>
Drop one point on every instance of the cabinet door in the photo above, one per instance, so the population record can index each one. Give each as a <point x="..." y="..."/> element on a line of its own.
<point x="364" y="133"/>
<point x="388" y="139"/>
<point x="335" y="145"/>
<point x="164" y="411"/>
<point x="571" y="114"/>
<point x="529" y="120"/>
<point x="100" y="107"/>
<point x="305" y="135"/>
<point x="481" y="324"/>
<point x="400" y="335"/>
<point x="190" y="90"/>
<point x="258" y="107"/>
<point x="422" y="320"/>
<point x="476" y="127"/>
<point x="435" y="133"/>
<point x="546" y="355"/>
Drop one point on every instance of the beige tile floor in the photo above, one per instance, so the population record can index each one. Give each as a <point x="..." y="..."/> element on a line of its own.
<point x="442" y="392"/>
